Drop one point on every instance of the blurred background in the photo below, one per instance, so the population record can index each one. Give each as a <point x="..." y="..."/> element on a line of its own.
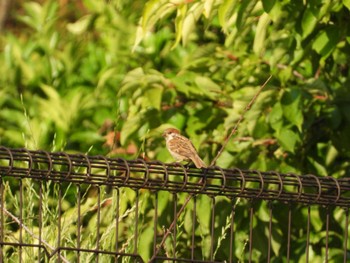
<point x="107" y="77"/>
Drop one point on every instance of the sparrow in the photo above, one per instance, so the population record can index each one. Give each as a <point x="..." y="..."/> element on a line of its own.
<point x="181" y="148"/>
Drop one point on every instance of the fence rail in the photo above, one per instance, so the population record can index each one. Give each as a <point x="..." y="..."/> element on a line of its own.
<point x="80" y="170"/>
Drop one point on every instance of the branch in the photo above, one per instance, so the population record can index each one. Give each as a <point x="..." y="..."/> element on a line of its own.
<point x="246" y="109"/>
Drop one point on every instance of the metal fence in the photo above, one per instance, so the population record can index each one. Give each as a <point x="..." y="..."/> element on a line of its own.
<point x="77" y="208"/>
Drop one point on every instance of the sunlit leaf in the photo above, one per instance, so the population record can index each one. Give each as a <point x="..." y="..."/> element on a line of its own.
<point x="192" y="16"/>
<point x="80" y="26"/>
<point x="179" y="21"/>
<point x="309" y="21"/>
<point x="347" y="3"/>
<point x="259" y="40"/>
<point x="225" y="14"/>
<point x="288" y="139"/>
<point x="326" y="41"/>
<point x="291" y="105"/>
<point x="153" y="96"/>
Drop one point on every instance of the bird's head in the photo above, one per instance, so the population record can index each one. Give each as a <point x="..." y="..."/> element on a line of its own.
<point x="170" y="132"/>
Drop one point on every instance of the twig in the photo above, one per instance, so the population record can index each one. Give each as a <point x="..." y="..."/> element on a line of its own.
<point x="247" y="108"/>
<point x="167" y="233"/>
<point x="172" y="225"/>
<point x="31" y="233"/>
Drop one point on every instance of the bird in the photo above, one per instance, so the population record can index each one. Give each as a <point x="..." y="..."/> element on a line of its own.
<point x="181" y="148"/>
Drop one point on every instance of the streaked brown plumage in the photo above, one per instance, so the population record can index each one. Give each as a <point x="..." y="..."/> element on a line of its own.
<point x="181" y="148"/>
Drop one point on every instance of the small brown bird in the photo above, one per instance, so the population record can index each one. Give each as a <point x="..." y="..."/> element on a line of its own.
<point x="181" y="148"/>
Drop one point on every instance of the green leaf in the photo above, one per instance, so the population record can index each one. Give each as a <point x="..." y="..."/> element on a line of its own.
<point x="347" y="3"/>
<point x="260" y="35"/>
<point x="80" y="26"/>
<point x="153" y="96"/>
<point x="326" y="41"/>
<point x="191" y="84"/>
<point x="268" y="5"/>
<point x="288" y="139"/>
<point x="105" y="76"/>
<point x="203" y="216"/>
<point x="225" y="14"/>
<point x="179" y="21"/>
<point x="208" y="7"/>
<point x="320" y="168"/>
<point x="207" y="86"/>
<point x="131" y="126"/>
<point x="225" y="160"/>
<point x="190" y="20"/>
<point x="163" y="201"/>
<point x="146" y="244"/>
<point x="276" y="117"/>
<point x="309" y="21"/>
<point x="291" y="105"/>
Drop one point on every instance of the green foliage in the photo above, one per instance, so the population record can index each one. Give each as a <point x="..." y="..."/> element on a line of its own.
<point x="109" y="77"/>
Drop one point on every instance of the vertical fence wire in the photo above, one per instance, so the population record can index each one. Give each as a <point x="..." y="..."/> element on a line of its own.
<point x="270" y="232"/>
<point x="136" y="222"/>
<point x="78" y="221"/>
<point x="308" y="233"/>
<point x="20" y="219"/>
<point x="327" y="233"/>
<point x="289" y="231"/>
<point x="98" y="223"/>
<point x="194" y="218"/>
<point x="155" y="222"/>
<point x="59" y="236"/>
<point x="1" y="220"/>
<point x="117" y="224"/>
<point x="346" y="234"/>
<point x="251" y="218"/>
<point x="232" y="230"/>
<point x="212" y="224"/>
<point x="175" y="224"/>
<point x="40" y="219"/>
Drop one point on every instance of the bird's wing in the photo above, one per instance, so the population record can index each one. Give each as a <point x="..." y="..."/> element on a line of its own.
<point x="185" y="148"/>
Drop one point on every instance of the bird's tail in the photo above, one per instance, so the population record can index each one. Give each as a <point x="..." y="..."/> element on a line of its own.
<point x="198" y="162"/>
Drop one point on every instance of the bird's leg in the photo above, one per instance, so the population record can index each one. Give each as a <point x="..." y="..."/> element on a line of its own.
<point x="188" y="165"/>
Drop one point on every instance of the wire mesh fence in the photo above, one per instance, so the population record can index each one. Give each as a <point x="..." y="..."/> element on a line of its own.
<point x="77" y="208"/>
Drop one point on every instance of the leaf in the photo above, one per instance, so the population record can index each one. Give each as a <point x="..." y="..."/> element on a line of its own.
<point x="106" y="75"/>
<point x="347" y="3"/>
<point x="153" y="96"/>
<point x="191" y="18"/>
<point x="225" y="160"/>
<point x="276" y="117"/>
<point x="308" y="21"/>
<point x="225" y="13"/>
<point x="288" y="139"/>
<point x="291" y="105"/>
<point x="268" y="5"/>
<point x="320" y="168"/>
<point x="208" y="6"/>
<point x="132" y="124"/>
<point x="146" y="244"/>
<point x="207" y="86"/>
<point x="260" y="34"/>
<point x="153" y="11"/>
<point x="326" y="41"/>
<point x="179" y="21"/>
<point x="203" y="216"/>
<point x="332" y="154"/>
<point x="163" y="201"/>
<point x="80" y="26"/>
